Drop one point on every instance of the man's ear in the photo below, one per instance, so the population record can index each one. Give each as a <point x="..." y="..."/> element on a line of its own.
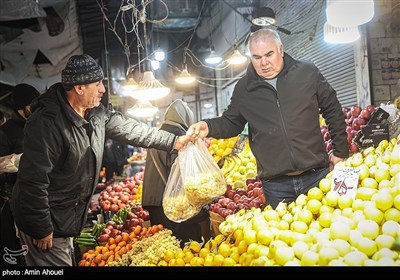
<point x="79" y="89"/>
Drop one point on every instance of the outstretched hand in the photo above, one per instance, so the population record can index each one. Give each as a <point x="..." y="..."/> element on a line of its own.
<point x="198" y="130"/>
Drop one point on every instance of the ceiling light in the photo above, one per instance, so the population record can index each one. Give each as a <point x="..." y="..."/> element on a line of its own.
<point x="159" y="54"/>
<point x="263" y="16"/>
<point x="142" y="109"/>
<point x="236" y="58"/>
<point x="155" y="64"/>
<point x="185" y="77"/>
<point x="207" y="105"/>
<point x="345" y="13"/>
<point x="213" y="58"/>
<point x="129" y="84"/>
<point x="340" y="35"/>
<point x="149" y="87"/>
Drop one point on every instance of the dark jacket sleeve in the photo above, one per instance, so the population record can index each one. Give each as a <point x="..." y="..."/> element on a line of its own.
<point x="138" y="134"/>
<point x="331" y="110"/>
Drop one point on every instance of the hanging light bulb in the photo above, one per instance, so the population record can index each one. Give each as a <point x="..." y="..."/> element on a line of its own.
<point x="149" y="87"/>
<point x="159" y="54"/>
<point x="236" y="57"/>
<point x="185" y="78"/>
<point x="130" y="84"/>
<point x="345" y="13"/>
<point x="142" y="109"/>
<point x="340" y="35"/>
<point x="213" y="58"/>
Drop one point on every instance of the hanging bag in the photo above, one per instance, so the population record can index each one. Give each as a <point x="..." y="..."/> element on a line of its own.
<point x="175" y="204"/>
<point x="202" y="178"/>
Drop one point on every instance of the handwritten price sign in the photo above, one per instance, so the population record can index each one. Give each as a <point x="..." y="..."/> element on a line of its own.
<point x="345" y="180"/>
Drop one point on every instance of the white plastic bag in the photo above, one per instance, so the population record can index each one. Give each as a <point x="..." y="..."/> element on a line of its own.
<point x="175" y="204"/>
<point x="202" y="178"/>
<point x="9" y="163"/>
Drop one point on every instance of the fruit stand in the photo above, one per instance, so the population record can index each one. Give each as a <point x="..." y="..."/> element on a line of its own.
<point x="325" y="227"/>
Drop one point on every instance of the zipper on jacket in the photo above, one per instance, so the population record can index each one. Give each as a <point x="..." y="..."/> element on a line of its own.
<point x="285" y="131"/>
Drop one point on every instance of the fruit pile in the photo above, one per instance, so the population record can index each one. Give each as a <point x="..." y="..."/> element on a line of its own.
<point x="220" y="147"/>
<point x="355" y="117"/>
<point x="235" y="199"/>
<point x="239" y="167"/>
<point x="117" y="195"/>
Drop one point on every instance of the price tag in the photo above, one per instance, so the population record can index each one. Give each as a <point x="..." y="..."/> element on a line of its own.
<point x="345" y="180"/>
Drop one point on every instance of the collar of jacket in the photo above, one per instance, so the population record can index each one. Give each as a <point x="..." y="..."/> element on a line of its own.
<point x="254" y="80"/>
<point x="54" y="99"/>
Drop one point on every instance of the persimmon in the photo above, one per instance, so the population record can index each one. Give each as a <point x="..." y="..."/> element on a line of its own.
<point x="112" y="247"/>
<point x="137" y="230"/>
<point x="122" y="243"/>
<point x="125" y="236"/>
<point x="160" y="227"/>
<point x="118" y="239"/>
<point x="111" y="241"/>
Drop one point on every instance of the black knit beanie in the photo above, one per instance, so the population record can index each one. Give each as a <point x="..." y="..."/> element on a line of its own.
<point x="81" y="70"/>
<point x="23" y="94"/>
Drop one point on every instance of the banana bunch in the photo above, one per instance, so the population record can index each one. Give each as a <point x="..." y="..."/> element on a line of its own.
<point x="231" y="164"/>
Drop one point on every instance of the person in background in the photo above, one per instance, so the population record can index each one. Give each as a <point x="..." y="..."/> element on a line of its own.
<point x="178" y="117"/>
<point x="63" y="149"/>
<point x="11" y="142"/>
<point x="281" y="98"/>
<point x="115" y="157"/>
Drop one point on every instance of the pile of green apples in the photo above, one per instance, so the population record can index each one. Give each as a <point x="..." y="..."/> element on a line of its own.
<point x="324" y="228"/>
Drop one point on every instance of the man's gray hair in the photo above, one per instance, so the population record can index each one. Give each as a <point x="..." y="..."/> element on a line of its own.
<point x="263" y="35"/>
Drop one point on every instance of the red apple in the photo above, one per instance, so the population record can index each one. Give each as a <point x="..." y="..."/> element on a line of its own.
<point x="354" y="148"/>
<point x="365" y="114"/>
<point x="355" y="110"/>
<point x="371" y="108"/>
<point x="327" y="136"/>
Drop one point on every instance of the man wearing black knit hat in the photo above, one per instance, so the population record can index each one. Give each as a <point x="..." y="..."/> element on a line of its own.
<point x="60" y="166"/>
<point x="11" y="143"/>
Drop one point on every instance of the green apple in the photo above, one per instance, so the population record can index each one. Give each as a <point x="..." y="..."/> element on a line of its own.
<point x="395" y="156"/>
<point x="355" y="258"/>
<point x="265" y="236"/>
<point x="357" y="159"/>
<point x="314" y="205"/>
<point x="283" y="255"/>
<point x="325" y="219"/>
<point x="390" y="228"/>
<point x="369" y="183"/>
<point x="342" y="246"/>
<point x="325" y="185"/>
<point x="326" y="255"/>
<point x="309" y="258"/>
<point x="305" y="215"/>
<point x="315" y="193"/>
<point x="384" y="241"/>
<point x="299" y="248"/>
<point x="394" y="169"/>
<point x="364" y="172"/>
<point x="345" y="201"/>
<point x="332" y="198"/>
<point x="339" y="230"/>
<point x="383" y="200"/>
<point x="382" y="174"/>
<point x="374" y="214"/>
<point x="370" y="160"/>
<point x="396" y="202"/>
<point x="367" y="246"/>
<point x="368" y="228"/>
